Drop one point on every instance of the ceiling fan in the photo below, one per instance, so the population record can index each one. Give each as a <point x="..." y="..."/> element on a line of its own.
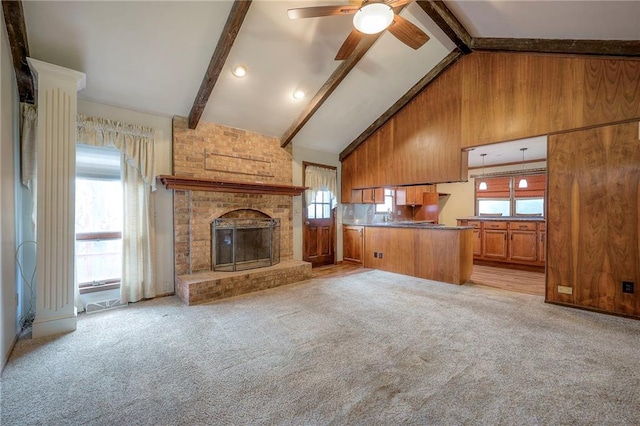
<point x="370" y="17"/>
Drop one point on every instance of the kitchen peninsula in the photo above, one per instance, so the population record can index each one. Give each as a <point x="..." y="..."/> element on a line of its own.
<point x="419" y="249"/>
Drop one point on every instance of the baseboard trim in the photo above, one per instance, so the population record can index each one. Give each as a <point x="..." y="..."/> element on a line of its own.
<point x="5" y="358"/>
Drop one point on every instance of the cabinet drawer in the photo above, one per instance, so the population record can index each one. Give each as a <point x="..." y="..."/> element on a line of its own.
<point x="522" y="226"/>
<point x="495" y="225"/>
<point x="475" y="223"/>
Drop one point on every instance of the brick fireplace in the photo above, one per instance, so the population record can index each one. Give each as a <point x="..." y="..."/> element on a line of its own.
<point x="215" y="152"/>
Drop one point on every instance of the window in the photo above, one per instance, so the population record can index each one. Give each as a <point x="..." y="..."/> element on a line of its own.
<point x="498" y="207"/>
<point x="388" y="202"/>
<point x="503" y="197"/>
<point x="99" y="214"/>
<point x="320" y="208"/>
<point x="530" y="206"/>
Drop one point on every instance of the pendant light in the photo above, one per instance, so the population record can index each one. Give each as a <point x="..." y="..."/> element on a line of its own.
<point x="523" y="182"/>
<point x="483" y="183"/>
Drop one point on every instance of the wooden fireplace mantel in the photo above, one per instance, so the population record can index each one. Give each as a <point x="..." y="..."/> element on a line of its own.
<point x="214" y="185"/>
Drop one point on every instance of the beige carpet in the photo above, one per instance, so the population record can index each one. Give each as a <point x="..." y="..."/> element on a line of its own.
<point x="371" y="348"/>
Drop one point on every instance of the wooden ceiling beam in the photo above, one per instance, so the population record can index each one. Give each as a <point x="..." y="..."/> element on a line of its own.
<point x="17" y="34"/>
<point x="229" y="32"/>
<point x="625" y="48"/>
<point x="328" y="87"/>
<point x="443" y="65"/>
<point x="447" y="21"/>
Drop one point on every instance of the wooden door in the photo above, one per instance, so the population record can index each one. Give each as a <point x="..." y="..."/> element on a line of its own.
<point x="352" y="242"/>
<point x="318" y="241"/>
<point x="319" y="226"/>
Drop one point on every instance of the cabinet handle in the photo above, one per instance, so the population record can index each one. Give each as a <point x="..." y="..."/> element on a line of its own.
<point x="505" y="237"/>
<point x="511" y="237"/>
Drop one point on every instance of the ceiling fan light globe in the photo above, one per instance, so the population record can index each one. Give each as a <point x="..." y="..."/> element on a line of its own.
<point x="523" y="183"/>
<point x="373" y="18"/>
<point x="482" y="186"/>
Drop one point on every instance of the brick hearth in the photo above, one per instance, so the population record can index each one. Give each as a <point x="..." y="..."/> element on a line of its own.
<point x="205" y="287"/>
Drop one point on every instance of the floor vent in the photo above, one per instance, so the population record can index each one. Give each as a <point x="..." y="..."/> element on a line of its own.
<point x="104" y="305"/>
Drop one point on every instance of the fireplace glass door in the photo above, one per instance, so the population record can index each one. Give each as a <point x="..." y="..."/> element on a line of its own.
<point x="240" y="244"/>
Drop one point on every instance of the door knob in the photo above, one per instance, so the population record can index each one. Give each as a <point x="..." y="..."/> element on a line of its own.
<point x="306" y="222"/>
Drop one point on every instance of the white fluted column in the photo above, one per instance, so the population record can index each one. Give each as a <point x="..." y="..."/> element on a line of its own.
<point x="56" y="164"/>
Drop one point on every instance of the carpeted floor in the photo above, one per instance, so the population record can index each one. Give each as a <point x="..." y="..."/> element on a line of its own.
<point x="370" y="348"/>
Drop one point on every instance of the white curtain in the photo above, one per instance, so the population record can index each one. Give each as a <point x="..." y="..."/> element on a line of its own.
<point x="28" y="155"/>
<point x="320" y="179"/>
<point x="137" y="145"/>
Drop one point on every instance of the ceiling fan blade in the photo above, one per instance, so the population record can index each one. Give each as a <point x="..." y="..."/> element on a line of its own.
<point x="349" y="45"/>
<point x="398" y="3"/>
<point x="407" y="32"/>
<point x="316" y="11"/>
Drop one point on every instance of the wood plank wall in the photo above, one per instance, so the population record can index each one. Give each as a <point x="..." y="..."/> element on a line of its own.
<point x="514" y="96"/>
<point x="490" y="97"/>
<point x="593" y="218"/>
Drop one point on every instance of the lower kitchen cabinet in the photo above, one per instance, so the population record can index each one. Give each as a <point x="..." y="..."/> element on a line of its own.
<point x="523" y="241"/>
<point x="494" y="244"/>
<point x="508" y="241"/>
<point x="352" y="243"/>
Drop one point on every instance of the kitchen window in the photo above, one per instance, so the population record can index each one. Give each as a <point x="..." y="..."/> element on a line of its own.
<point x="387" y="206"/>
<point x="503" y="197"/>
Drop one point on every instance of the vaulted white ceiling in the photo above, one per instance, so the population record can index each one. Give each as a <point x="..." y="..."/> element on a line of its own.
<point x="151" y="56"/>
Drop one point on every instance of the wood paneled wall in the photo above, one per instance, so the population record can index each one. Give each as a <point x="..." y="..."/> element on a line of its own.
<point x="513" y="96"/>
<point x="490" y="97"/>
<point x="593" y="217"/>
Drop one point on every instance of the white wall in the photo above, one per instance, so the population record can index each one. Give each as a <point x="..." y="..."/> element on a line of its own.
<point x="8" y="135"/>
<point x="309" y="155"/>
<point x="461" y="201"/>
<point x="163" y="198"/>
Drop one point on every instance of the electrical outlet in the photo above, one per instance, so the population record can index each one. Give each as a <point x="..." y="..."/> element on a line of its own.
<point x="627" y="287"/>
<point x="565" y="290"/>
<point x="380" y="255"/>
<point x="375" y="254"/>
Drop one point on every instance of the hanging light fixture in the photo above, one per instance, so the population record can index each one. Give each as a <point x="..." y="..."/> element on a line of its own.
<point x="373" y="17"/>
<point x="523" y="182"/>
<point x="483" y="183"/>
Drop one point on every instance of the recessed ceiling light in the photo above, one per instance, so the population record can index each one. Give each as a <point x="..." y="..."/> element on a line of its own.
<point x="298" y="94"/>
<point x="239" y="71"/>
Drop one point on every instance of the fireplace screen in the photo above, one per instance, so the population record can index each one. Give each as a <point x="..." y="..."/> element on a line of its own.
<point x="240" y="244"/>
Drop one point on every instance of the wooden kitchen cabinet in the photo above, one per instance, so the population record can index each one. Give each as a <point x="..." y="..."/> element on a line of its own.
<point x="373" y="195"/>
<point x="508" y="241"/>
<point x="477" y="235"/>
<point x="412" y="195"/>
<point x="542" y="242"/>
<point x="352" y="243"/>
<point x="494" y="242"/>
<point x="523" y="241"/>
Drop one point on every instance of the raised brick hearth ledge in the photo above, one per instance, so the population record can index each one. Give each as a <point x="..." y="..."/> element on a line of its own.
<point x="208" y="286"/>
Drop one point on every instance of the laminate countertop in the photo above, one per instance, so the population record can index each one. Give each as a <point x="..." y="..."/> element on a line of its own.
<point x="505" y="218"/>
<point x="409" y="224"/>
